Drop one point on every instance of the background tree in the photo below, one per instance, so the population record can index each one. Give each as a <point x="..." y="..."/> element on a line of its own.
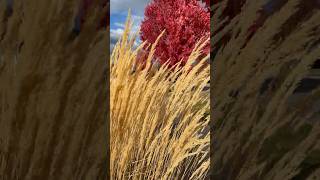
<point x="185" y="22"/>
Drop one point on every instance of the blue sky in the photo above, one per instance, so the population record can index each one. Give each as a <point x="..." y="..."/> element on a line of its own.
<point x="119" y="11"/>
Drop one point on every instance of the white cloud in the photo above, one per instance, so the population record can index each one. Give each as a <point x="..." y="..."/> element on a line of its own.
<point x="136" y="22"/>
<point x="118" y="24"/>
<point x="135" y="26"/>
<point x="137" y="18"/>
<point x="116" y="33"/>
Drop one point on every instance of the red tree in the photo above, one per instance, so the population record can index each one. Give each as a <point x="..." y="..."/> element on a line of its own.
<point x="185" y="22"/>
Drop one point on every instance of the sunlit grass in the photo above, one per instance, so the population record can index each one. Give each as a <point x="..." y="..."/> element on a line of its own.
<point x="156" y="123"/>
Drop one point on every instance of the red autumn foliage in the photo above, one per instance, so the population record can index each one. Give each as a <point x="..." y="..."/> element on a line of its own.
<point x="185" y="23"/>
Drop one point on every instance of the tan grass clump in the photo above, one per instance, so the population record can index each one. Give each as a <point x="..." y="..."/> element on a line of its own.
<point x="157" y="126"/>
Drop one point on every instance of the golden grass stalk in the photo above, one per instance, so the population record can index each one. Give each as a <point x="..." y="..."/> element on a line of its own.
<point x="156" y="124"/>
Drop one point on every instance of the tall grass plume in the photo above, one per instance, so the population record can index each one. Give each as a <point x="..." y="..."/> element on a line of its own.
<point x="158" y="120"/>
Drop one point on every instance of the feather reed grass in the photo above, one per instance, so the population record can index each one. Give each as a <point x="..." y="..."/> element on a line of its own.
<point x="157" y="125"/>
